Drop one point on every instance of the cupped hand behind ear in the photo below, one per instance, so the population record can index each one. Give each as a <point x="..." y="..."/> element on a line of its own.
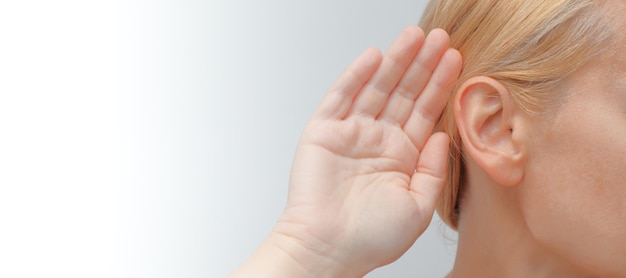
<point x="368" y="171"/>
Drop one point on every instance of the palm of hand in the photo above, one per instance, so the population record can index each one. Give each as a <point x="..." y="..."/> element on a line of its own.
<point x="362" y="174"/>
<point x="367" y="171"/>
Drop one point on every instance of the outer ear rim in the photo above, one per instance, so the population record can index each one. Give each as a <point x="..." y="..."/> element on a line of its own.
<point x="504" y="168"/>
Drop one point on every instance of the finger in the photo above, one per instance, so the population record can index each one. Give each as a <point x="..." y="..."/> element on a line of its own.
<point x="431" y="173"/>
<point x="403" y="97"/>
<point x="338" y="100"/>
<point x="395" y="62"/>
<point x="433" y="99"/>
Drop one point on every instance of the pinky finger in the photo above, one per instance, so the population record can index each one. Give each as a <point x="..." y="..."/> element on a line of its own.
<point x="339" y="98"/>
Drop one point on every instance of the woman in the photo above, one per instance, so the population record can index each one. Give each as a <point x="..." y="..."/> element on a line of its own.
<point x="534" y="120"/>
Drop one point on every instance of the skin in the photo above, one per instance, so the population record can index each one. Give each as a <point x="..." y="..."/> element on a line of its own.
<point x="587" y="195"/>
<point x="543" y="198"/>
<point x="565" y="215"/>
<point x="368" y="171"/>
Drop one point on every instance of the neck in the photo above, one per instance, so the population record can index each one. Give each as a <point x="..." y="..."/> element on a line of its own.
<point x="494" y="240"/>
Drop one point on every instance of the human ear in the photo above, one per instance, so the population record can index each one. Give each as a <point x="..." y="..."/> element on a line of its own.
<point x="487" y="119"/>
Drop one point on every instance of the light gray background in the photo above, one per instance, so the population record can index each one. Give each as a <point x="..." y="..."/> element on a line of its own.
<point x="154" y="138"/>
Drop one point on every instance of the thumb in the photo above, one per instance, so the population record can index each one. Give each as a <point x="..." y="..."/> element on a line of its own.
<point x="431" y="172"/>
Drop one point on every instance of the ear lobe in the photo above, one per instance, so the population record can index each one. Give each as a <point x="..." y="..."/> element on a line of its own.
<point x="484" y="113"/>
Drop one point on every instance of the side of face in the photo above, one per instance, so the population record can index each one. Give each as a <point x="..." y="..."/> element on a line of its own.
<point x="573" y="195"/>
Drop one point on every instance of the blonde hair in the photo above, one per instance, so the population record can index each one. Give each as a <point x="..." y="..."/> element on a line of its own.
<point x="527" y="45"/>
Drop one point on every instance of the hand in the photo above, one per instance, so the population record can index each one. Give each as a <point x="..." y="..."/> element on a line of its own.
<point x="368" y="171"/>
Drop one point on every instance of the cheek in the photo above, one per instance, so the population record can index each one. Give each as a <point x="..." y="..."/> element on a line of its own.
<point x="574" y="192"/>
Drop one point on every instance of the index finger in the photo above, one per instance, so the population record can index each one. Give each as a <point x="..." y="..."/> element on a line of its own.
<point x="338" y="100"/>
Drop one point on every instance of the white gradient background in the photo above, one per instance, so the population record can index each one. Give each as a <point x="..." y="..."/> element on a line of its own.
<point x="154" y="138"/>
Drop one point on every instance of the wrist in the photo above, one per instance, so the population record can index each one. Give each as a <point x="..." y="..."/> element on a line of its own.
<point x="281" y="255"/>
<point x="307" y="258"/>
